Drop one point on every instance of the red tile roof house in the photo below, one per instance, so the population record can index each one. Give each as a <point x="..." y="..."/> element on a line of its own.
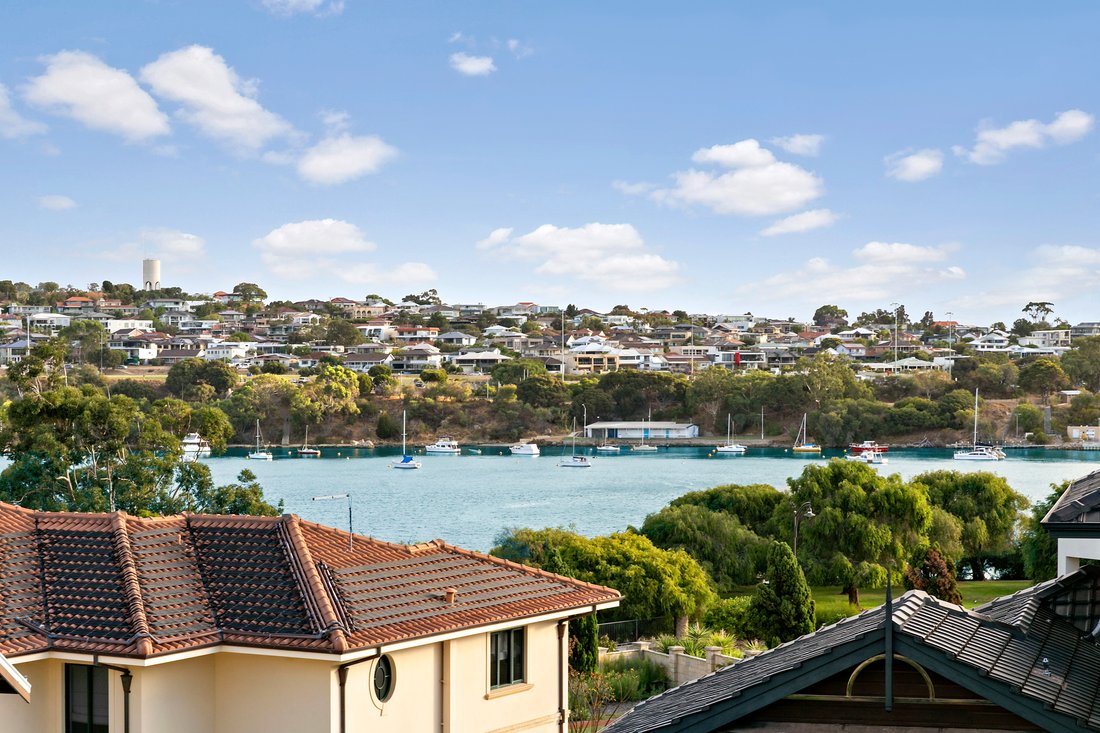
<point x="238" y="624"/>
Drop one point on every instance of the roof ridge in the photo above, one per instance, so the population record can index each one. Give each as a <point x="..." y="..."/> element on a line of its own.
<point x="313" y="588"/>
<point x="130" y="586"/>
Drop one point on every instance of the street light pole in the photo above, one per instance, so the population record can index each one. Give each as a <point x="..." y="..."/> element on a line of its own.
<point x="805" y="511"/>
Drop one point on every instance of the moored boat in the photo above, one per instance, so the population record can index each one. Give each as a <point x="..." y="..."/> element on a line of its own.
<point x="443" y="445"/>
<point x="525" y="449"/>
<point x="194" y="445"/>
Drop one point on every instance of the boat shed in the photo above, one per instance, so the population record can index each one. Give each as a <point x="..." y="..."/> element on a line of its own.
<point x="641" y="429"/>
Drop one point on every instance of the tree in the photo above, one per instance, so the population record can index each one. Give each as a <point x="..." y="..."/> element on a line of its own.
<point x="865" y="523"/>
<point x="386" y="427"/>
<point x="515" y="371"/>
<point x="217" y="374"/>
<point x="438" y="320"/>
<point x="1039" y="549"/>
<point x="934" y="575"/>
<point x="730" y="553"/>
<point x="830" y="316"/>
<point x="86" y="339"/>
<point x="782" y="607"/>
<point x="1043" y="376"/>
<point x="542" y="390"/>
<point x="342" y="333"/>
<point x="985" y="505"/>
<point x="584" y="653"/>
<point x="250" y="293"/>
<point x="754" y="505"/>
<point x="654" y="582"/>
<point x="1038" y="310"/>
<point x="1082" y="362"/>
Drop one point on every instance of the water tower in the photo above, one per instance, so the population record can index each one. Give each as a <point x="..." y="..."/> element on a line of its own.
<point x="150" y="274"/>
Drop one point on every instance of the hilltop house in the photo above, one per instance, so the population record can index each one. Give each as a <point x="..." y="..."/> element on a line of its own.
<point x="237" y="624"/>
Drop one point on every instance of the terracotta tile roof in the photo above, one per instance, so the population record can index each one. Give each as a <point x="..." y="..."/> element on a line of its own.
<point x="131" y="586"/>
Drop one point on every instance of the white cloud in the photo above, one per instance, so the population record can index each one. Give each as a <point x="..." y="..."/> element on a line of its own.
<point x="184" y="252"/>
<point x="886" y="271"/>
<point x="213" y="98"/>
<point x="469" y="65"/>
<point x="758" y="185"/>
<point x="79" y="85"/>
<point x="518" y="48"/>
<point x="496" y="237"/>
<point x="293" y="7"/>
<point x="633" y="189"/>
<point x="744" y="154"/>
<point x="612" y="256"/>
<point x="330" y="248"/>
<point x="993" y="143"/>
<point x="12" y="124"/>
<point x="906" y="165"/>
<point x="803" y="222"/>
<point x="1064" y="274"/>
<point x="343" y="158"/>
<point x="800" y="144"/>
<point x="56" y="203"/>
<point x="460" y="37"/>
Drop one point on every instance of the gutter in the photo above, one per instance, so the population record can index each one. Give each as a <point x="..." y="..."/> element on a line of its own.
<point x="127" y="681"/>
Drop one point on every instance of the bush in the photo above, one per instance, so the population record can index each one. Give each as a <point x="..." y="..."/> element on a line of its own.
<point x="387" y="427"/>
<point x="731" y="615"/>
<point x="651" y="676"/>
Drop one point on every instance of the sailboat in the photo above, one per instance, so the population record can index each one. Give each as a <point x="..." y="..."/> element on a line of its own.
<point x="801" y="444"/>
<point x="406" y="461"/>
<point x="642" y="447"/>
<point x="574" y="461"/>
<point x="730" y="448"/>
<point x="305" y="451"/>
<point x="978" y="452"/>
<point x="260" y="453"/>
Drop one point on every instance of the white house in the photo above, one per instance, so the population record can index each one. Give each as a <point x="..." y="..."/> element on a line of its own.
<point x="644" y="429"/>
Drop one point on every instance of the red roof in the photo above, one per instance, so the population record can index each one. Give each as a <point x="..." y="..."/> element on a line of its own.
<point x="128" y="586"/>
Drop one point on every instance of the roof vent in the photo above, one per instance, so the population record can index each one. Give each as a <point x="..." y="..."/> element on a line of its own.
<point x="449" y="595"/>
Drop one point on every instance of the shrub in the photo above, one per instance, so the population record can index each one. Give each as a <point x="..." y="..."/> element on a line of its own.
<point x="652" y="676"/>
<point x="387" y="427"/>
<point x="730" y="614"/>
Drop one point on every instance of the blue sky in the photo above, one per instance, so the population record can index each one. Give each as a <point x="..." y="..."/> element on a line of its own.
<point x="716" y="157"/>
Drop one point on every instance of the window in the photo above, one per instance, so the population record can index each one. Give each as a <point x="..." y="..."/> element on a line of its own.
<point x="86" y="699"/>
<point x="506" y="658"/>
<point x="383" y="678"/>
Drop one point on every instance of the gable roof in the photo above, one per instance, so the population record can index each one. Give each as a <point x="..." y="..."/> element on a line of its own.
<point x="1024" y="657"/>
<point x="129" y="586"/>
<point x="1079" y="503"/>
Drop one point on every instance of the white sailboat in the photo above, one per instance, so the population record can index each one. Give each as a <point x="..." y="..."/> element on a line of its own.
<point x="730" y="448"/>
<point x="642" y="446"/>
<point x="406" y="461"/>
<point x="574" y="461"/>
<point x="801" y="444"/>
<point x="305" y="451"/>
<point x="260" y="453"/>
<point x="979" y="452"/>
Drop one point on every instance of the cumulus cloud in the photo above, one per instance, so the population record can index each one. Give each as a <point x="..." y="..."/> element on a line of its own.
<point x="330" y="248"/>
<point x="469" y="65"/>
<point x="342" y="158"/>
<point x="294" y="7"/>
<point x="994" y="143"/>
<point x="612" y="256"/>
<point x="1066" y="274"/>
<point x="214" y="98"/>
<point x="885" y="270"/>
<point x="633" y="189"/>
<point x="56" y="203"/>
<point x="757" y="185"/>
<point x="79" y="85"/>
<point x="906" y="165"/>
<point x="799" y="144"/>
<point x="803" y="222"/>
<point x="12" y="124"/>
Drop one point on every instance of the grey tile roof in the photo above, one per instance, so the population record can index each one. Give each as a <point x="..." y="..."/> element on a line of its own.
<point x="1025" y="651"/>
<point x="1079" y="503"/>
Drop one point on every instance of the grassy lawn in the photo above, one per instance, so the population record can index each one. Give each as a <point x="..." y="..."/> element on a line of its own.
<point x="974" y="592"/>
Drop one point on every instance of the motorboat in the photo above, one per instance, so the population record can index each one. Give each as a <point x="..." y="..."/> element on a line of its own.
<point x="259" y="453"/>
<point x="729" y="448"/>
<point x="874" y="458"/>
<point x="305" y="451"/>
<point x="406" y="461"/>
<point x="525" y="449"/>
<point x="867" y="446"/>
<point x="979" y="452"/>
<point x="443" y="445"/>
<point x="194" y="445"/>
<point x="801" y="444"/>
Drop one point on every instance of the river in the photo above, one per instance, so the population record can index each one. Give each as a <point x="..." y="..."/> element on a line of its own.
<point x="467" y="500"/>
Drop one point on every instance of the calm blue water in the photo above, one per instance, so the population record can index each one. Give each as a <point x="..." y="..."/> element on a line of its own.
<point x="467" y="500"/>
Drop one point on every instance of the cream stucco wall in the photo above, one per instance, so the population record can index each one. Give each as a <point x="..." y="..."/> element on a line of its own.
<point x="177" y="697"/>
<point x="268" y="694"/>
<point x="416" y="701"/>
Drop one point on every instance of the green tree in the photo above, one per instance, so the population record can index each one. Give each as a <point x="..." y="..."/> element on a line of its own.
<point x="754" y="505"/>
<point x="542" y="390"/>
<point x="515" y="371"/>
<point x="342" y="333"/>
<point x="985" y="505"/>
<point x="87" y="339"/>
<point x="386" y="428"/>
<point x="1082" y="362"/>
<point x="1038" y="310"/>
<point x="865" y="523"/>
<point x="217" y="374"/>
<point x="782" y="607"/>
<point x="1043" y="376"/>
<point x="1039" y="549"/>
<point x="250" y="293"/>
<point x="584" y="654"/>
<point x="830" y="316"/>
